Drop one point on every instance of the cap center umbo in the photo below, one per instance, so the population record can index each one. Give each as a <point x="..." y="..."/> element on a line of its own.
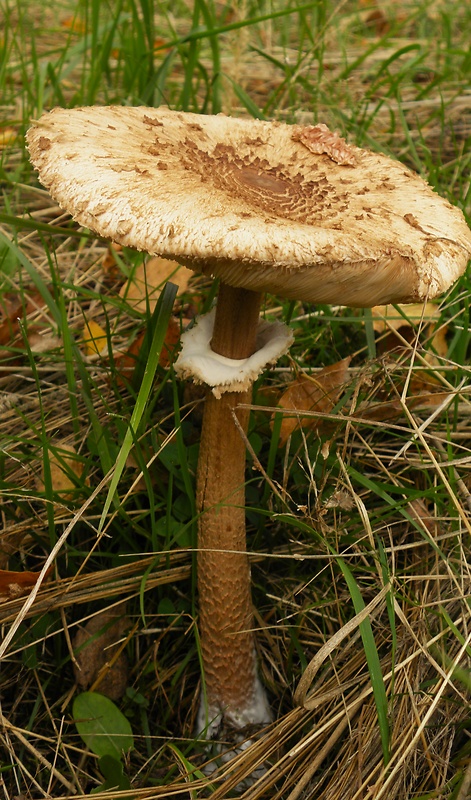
<point x="285" y="193"/>
<point x="262" y="180"/>
<point x="256" y="185"/>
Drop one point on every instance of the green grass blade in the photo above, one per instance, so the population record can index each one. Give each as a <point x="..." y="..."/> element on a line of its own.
<point x="372" y="658"/>
<point x="35" y="277"/>
<point x="23" y="223"/>
<point x="161" y="316"/>
<point x="370" y="334"/>
<point x="247" y="101"/>
<point x="233" y="26"/>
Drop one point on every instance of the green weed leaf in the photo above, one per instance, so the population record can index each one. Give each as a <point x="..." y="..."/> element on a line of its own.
<point x="113" y="773"/>
<point x="101" y="725"/>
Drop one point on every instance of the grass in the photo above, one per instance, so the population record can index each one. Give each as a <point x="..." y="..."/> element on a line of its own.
<point x="359" y="525"/>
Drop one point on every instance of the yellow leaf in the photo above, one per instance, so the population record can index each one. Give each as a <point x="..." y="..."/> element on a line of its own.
<point x="8" y="136"/>
<point x="390" y="318"/>
<point x="62" y="465"/>
<point x="143" y="289"/>
<point x="439" y="342"/>
<point x="94" y="338"/>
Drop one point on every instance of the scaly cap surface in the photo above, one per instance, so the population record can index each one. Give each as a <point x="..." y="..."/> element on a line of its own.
<point x="272" y="207"/>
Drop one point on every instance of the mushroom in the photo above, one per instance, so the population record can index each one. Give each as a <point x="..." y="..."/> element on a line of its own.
<point x="265" y="207"/>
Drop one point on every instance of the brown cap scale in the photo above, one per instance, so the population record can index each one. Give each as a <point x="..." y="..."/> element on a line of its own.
<point x="264" y="206"/>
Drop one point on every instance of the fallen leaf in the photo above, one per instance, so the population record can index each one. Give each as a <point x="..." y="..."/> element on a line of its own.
<point x="126" y="363"/>
<point x="161" y="45"/>
<point x="143" y="289"/>
<point x="74" y="23"/>
<point x="94" y="339"/>
<point x="401" y="321"/>
<point x="14" y="584"/>
<point x="395" y="317"/>
<point x="99" y="661"/>
<point x="425" y="391"/>
<point x="42" y="339"/>
<point x="62" y="463"/>
<point x="14" y="310"/>
<point x="172" y="338"/>
<point x="15" y="326"/>
<point x="318" y="392"/>
<point x="108" y="263"/>
<point x="8" y="136"/>
<point x="421" y="513"/>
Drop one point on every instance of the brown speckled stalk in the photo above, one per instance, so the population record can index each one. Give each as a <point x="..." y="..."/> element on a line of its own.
<point x="226" y="618"/>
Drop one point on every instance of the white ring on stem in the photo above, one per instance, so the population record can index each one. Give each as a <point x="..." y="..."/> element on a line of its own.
<point x="198" y="361"/>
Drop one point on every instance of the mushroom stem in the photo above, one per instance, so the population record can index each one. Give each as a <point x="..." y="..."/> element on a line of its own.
<point x="236" y="322"/>
<point x="233" y="690"/>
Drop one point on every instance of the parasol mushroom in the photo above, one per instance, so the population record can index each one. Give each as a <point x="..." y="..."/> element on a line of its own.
<point x="266" y="207"/>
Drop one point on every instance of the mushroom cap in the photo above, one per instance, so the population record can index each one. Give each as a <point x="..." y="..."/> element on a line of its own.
<point x="267" y="206"/>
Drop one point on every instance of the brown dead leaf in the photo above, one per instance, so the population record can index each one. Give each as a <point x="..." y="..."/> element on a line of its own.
<point x="10" y="313"/>
<point x="108" y="263"/>
<point x="419" y="510"/>
<point x="374" y="17"/>
<point x="14" y="584"/>
<point x="171" y="341"/>
<point x="314" y="393"/>
<point x="41" y="339"/>
<point x="74" y="23"/>
<point x="14" y="327"/>
<point x="389" y="321"/>
<point x="143" y="289"/>
<point x="126" y="363"/>
<point x="13" y="310"/>
<point x="100" y="661"/>
<point x="161" y="45"/>
<point x="379" y="21"/>
<point x="425" y="391"/>
<point x="390" y="317"/>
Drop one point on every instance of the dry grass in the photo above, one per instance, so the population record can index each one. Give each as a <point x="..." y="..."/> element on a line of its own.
<point x="380" y="489"/>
